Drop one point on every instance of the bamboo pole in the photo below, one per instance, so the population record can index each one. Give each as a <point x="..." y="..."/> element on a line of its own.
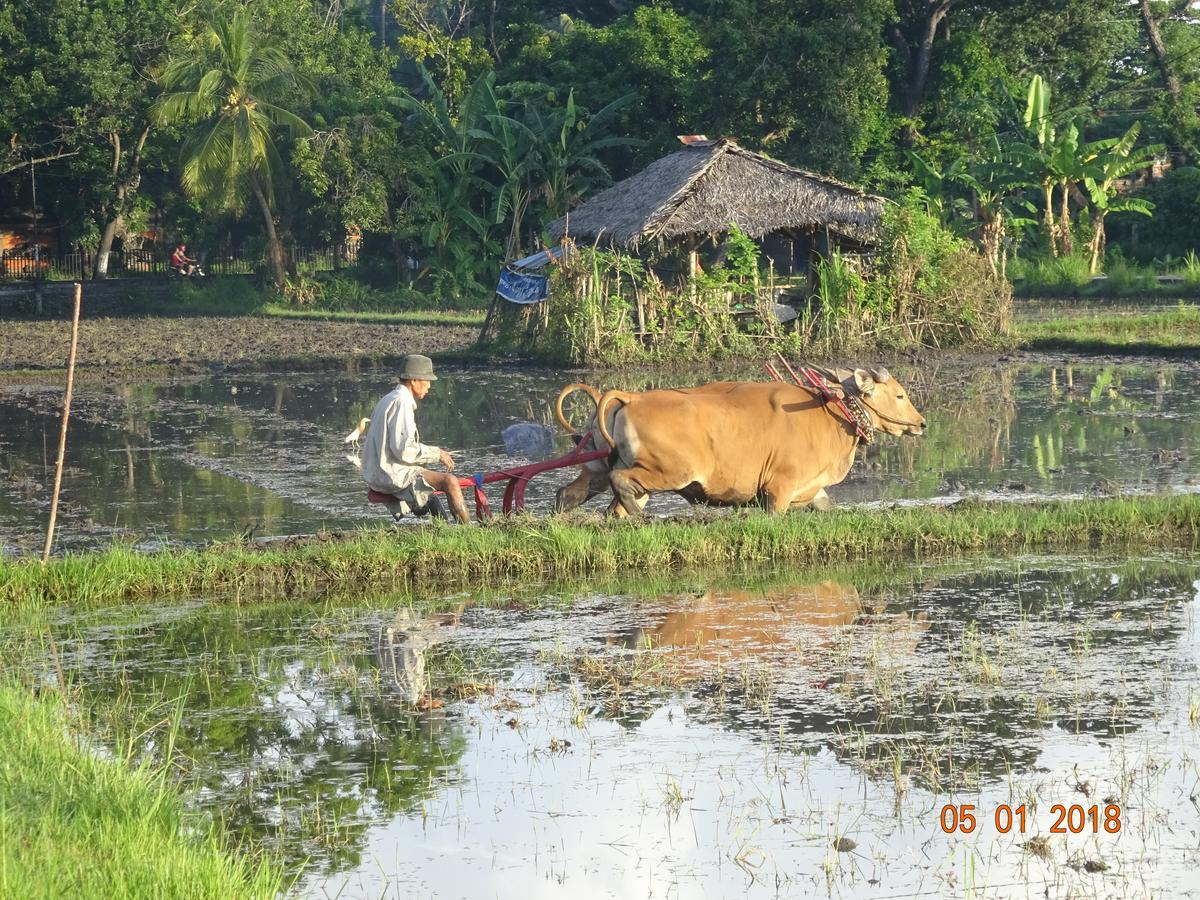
<point x="62" y="434"/>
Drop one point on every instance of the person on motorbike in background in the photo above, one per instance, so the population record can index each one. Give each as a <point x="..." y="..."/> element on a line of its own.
<point x="181" y="262"/>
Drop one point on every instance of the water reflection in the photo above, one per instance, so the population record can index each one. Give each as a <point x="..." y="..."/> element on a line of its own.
<point x="337" y="734"/>
<point x="404" y="644"/>
<point x="198" y="459"/>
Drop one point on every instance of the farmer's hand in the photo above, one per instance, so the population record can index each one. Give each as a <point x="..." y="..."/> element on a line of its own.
<point x="447" y="460"/>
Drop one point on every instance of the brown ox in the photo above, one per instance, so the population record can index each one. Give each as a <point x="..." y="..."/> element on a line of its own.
<point x="737" y="442"/>
<point x="794" y="624"/>
<point x="593" y="476"/>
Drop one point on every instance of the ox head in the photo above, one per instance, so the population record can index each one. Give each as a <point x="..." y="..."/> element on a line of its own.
<point x="886" y="399"/>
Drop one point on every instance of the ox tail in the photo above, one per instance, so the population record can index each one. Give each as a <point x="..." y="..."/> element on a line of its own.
<point x="622" y="397"/>
<point x="564" y="394"/>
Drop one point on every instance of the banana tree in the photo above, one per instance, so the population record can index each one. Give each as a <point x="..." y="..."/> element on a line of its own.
<point x="511" y="149"/>
<point x="1115" y="158"/>
<point x="458" y="234"/>
<point x="569" y="146"/>
<point x="940" y="187"/>
<point x="995" y="185"/>
<point x="1037" y="122"/>
<point x="1069" y="163"/>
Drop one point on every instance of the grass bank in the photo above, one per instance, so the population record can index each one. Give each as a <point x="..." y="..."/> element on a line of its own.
<point x="437" y="558"/>
<point x="74" y="823"/>
<point x="1167" y="332"/>
<point x="400" y="317"/>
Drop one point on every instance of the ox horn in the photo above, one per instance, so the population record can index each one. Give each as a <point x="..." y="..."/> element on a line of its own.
<point x="881" y="374"/>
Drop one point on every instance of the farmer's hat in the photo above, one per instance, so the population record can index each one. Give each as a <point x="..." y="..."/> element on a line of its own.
<point x="417" y="368"/>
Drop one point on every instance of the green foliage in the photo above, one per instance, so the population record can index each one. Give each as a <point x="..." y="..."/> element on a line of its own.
<point x="1061" y="276"/>
<point x="606" y="308"/>
<point x="228" y="83"/>
<point x="929" y="287"/>
<point x="741" y="255"/>
<point x="1174" y="228"/>
<point x="923" y="287"/>
<point x="79" y="823"/>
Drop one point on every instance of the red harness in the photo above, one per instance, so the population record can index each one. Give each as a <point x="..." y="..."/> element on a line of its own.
<point x="817" y="383"/>
<point x="517" y="477"/>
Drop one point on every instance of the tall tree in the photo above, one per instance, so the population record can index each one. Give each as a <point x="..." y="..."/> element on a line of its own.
<point x="912" y="33"/>
<point x="1177" y="109"/>
<point x="78" y="88"/>
<point x="229" y="85"/>
<point x="1151" y="22"/>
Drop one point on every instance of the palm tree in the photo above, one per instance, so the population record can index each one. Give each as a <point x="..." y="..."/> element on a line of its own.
<point x="229" y="86"/>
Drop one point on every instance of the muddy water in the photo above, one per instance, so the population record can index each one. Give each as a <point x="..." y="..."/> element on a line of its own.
<point x="188" y="461"/>
<point x="795" y="737"/>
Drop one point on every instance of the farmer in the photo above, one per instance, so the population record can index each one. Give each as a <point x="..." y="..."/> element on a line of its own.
<point x="393" y="458"/>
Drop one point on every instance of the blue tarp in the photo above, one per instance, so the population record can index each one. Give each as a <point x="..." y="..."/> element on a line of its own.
<point x="517" y="287"/>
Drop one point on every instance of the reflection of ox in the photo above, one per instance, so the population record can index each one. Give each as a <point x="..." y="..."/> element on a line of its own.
<point x="728" y="624"/>
<point x="734" y="443"/>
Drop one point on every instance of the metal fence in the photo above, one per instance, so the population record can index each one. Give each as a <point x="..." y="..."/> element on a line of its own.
<point x="30" y="264"/>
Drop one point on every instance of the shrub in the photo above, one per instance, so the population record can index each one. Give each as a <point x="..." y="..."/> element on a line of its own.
<point x="1063" y="276"/>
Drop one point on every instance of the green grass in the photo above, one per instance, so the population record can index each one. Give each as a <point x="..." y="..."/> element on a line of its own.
<point x="403" y="317"/>
<point x="238" y="297"/>
<point x="439" y="557"/>
<point x="1174" y="331"/>
<point x="1070" y="277"/>
<point x="75" y="823"/>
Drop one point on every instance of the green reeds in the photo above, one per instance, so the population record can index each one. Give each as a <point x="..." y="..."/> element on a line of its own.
<point x="76" y="823"/>
<point x="1171" y="331"/>
<point x="438" y="557"/>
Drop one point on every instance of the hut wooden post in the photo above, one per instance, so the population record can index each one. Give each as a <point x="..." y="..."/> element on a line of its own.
<point x="62" y="434"/>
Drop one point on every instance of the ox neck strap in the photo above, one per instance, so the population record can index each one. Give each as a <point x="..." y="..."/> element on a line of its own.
<point x="864" y="426"/>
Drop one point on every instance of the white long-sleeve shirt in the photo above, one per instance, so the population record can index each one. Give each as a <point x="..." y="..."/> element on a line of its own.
<point x="392" y="452"/>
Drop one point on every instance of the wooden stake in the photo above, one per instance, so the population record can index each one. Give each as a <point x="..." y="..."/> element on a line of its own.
<point x="62" y="434"/>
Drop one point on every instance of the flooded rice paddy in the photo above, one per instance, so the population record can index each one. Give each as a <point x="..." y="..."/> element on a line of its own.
<point x="793" y="735"/>
<point x="190" y="460"/>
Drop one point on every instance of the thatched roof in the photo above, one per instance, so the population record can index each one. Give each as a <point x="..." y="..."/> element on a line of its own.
<point x="703" y="187"/>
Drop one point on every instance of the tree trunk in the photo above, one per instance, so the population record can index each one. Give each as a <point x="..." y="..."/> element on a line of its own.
<point x="1048" y="217"/>
<point x="1170" y="79"/>
<point x="1064" y="223"/>
<point x="106" y="241"/>
<point x="916" y="57"/>
<point x="1098" y="242"/>
<point x="124" y="189"/>
<point x="991" y="233"/>
<point x="274" y="247"/>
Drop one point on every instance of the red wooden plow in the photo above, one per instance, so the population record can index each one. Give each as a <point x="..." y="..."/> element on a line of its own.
<point x="518" y="478"/>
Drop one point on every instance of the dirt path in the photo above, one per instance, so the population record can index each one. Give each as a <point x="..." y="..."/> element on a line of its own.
<point x="240" y="342"/>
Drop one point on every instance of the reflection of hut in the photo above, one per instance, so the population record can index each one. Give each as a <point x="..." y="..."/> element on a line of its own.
<point x="692" y="195"/>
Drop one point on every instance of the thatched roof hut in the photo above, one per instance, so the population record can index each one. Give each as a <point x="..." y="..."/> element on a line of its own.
<point x="701" y="188"/>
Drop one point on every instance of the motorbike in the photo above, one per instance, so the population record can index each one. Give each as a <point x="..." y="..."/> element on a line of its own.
<point x="197" y="272"/>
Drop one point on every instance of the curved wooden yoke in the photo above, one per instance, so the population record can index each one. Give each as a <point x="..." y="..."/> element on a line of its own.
<point x="518" y="478"/>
